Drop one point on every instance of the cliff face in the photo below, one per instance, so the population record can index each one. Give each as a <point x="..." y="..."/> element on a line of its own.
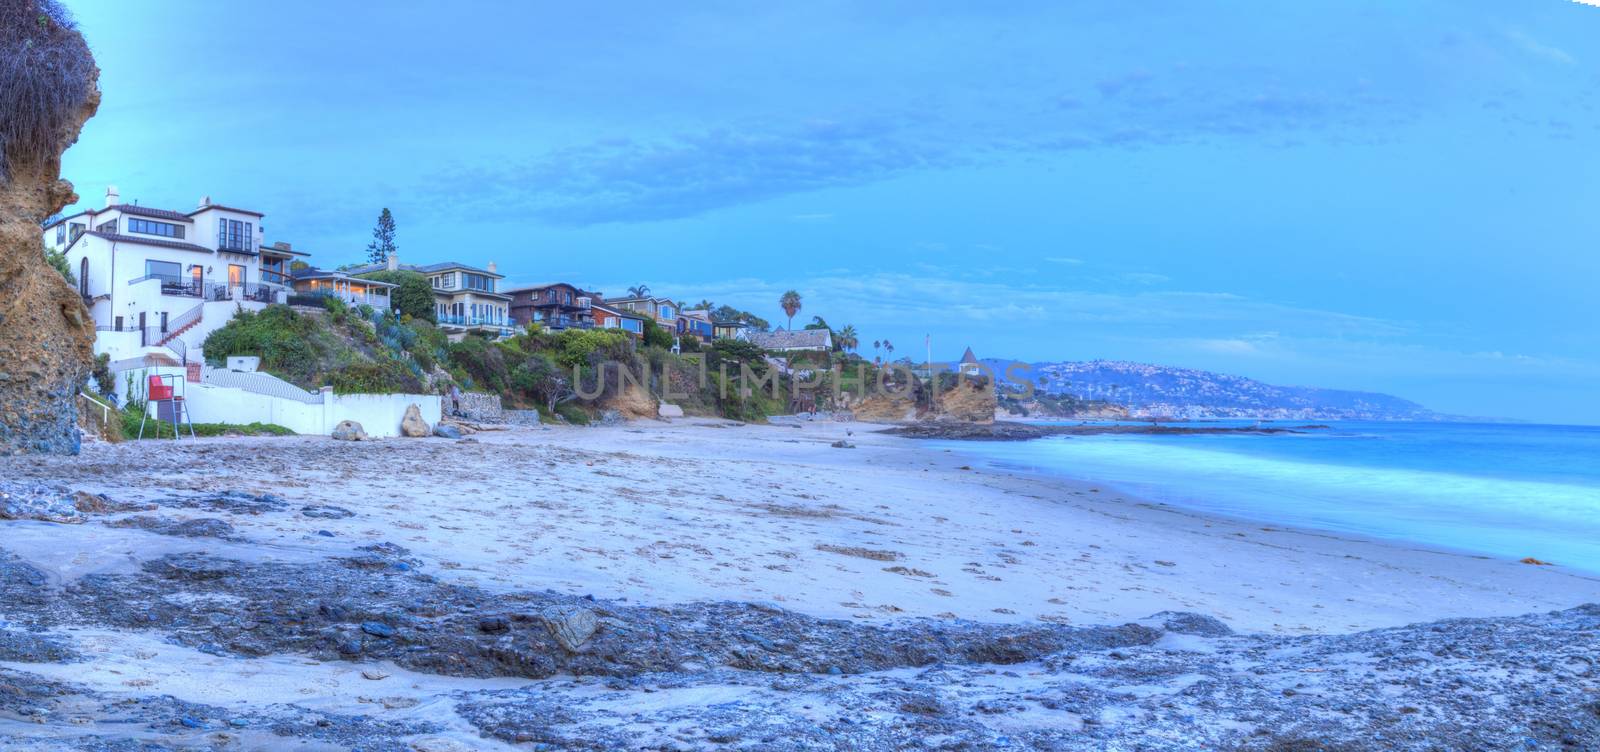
<point x="47" y="91"/>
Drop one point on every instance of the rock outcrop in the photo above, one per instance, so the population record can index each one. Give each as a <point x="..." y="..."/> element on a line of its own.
<point x="47" y="91"/>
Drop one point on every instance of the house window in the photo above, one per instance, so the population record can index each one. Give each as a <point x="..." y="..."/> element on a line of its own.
<point x="167" y="271"/>
<point x="83" y="277"/>
<point x="116" y="323"/>
<point x="147" y="227"/>
<point x="236" y="275"/>
<point x="61" y="233"/>
<point x="477" y="282"/>
<point x="110" y="227"/>
<point x="234" y="235"/>
<point x="77" y="229"/>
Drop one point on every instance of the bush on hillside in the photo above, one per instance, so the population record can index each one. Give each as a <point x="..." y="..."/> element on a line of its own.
<point x="311" y="352"/>
<point x="46" y="78"/>
<point x="655" y="335"/>
<point x="413" y="297"/>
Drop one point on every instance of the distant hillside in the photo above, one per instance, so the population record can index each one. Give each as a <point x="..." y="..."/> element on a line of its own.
<point x="1163" y="391"/>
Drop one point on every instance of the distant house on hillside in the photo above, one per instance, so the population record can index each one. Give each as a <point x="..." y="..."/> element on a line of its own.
<point x="466" y="298"/>
<point x="661" y="310"/>
<point x="158" y="281"/>
<point x="728" y="329"/>
<point x="783" y="340"/>
<point x="607" y="316"/>
<point x="969" y="364"/>
<point x="697" y="324"/>
<point x="554" y="306"/>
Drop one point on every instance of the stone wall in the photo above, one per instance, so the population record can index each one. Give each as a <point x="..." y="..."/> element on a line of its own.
<point x="481" y="408"/>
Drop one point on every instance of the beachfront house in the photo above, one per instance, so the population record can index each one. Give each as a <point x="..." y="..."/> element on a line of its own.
<point x="661" y="310"/>
<point x="553" y="306"/>
<point x="466" y="298"/>
<point x="311" y="284"/>
<point x="607" y="316"/>
<point x="696" y="324"/>
<point x="158" y="281"/>
<point x="783" y="340"/>
<point x="728" y="329"/>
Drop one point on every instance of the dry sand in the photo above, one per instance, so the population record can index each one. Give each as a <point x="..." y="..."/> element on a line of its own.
<point x="660" y="513"/>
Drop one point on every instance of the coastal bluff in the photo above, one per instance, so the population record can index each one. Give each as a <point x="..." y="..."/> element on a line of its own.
<point x="48" y="89"/>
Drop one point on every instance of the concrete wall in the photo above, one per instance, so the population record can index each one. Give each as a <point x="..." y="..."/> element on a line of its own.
<point x="378" y="414"/>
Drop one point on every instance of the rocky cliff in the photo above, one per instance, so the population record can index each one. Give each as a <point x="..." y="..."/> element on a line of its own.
<point x="47" y="91"/>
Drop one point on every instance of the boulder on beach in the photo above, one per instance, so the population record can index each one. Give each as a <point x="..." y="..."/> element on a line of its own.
<point x="349" y="430"/>
<point x="412" y="425"/>
<point x="447" y="431"/>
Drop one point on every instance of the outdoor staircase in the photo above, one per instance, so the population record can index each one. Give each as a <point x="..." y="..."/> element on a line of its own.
<point x="189" y="320"/>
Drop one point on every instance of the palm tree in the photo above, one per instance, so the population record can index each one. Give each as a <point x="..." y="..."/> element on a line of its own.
<point x="889" y="347"/>
<point x="790" y="302"/>
<point x="847" y="337"/>
<point x="703" y="305"/>
<point x="638" y="291"/>
<point x="817" y="322"/>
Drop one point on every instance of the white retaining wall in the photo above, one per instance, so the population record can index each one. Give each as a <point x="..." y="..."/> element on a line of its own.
<point x="378" y="414"/>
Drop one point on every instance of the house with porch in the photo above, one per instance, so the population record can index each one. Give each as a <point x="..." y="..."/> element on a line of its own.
<point x="553" y="306"/>
<point x="311" y="283"/>
<point x="158" y="281"/>
<point x="466" y="299"/>
<point x="728" y="329"/>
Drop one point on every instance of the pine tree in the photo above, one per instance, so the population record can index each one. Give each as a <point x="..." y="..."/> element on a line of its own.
<point x="382" y="245"/>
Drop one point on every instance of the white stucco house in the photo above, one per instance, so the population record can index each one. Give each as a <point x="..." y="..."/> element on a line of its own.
<point x="158" y="281"/>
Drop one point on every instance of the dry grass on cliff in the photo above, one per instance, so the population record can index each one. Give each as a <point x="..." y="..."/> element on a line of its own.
<point x="46" y="77"/>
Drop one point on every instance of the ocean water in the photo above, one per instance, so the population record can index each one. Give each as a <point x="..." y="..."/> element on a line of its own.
<point x="1503" y="490"/>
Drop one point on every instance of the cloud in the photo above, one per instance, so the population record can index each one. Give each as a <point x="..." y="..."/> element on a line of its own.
<point x="1539" y="49"/>
<point x="640" y="180"/>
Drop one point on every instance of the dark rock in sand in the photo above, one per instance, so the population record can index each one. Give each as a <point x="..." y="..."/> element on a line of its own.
<point x="205" y="527"/>
<point x="326" y="511"/>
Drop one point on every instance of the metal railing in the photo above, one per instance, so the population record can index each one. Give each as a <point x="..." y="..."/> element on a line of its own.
<point x="170" y="285"/>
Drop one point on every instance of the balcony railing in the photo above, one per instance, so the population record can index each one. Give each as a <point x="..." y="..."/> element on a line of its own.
<point x="314" y="298"/>
<point x="275" y="278"/>
<point x="171" y="285"/>
<point x="564" y="322"/>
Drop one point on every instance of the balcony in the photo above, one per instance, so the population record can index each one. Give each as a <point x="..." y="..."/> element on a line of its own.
<point x="188" y="287"/>
<point x="352" y="297"/>
<point x="557" y="323"/>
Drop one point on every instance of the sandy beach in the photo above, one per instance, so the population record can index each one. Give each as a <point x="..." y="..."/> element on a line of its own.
<point x="657" y="514"/>
<point x="662" y="513"/>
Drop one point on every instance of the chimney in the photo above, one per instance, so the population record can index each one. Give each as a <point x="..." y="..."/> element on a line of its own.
<point x="492" y="268"/>
<point x="112" y="198"/>
<point x="392" y="261"/>
<point x="205" y="201"/>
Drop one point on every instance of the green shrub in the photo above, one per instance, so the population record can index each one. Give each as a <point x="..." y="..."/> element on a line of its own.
<point x="573" y="413"/>
<point x="157" y="429"/>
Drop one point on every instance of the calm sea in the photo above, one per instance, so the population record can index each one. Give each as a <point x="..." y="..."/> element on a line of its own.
<point x="1499" y="489"/>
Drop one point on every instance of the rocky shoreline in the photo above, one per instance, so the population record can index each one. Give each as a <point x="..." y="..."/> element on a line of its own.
<point x="1173" y="681"/>
<point x="1012" y="431"/>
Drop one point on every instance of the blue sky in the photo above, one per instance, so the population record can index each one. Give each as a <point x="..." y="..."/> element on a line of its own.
<point x="1400" y="197"/>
